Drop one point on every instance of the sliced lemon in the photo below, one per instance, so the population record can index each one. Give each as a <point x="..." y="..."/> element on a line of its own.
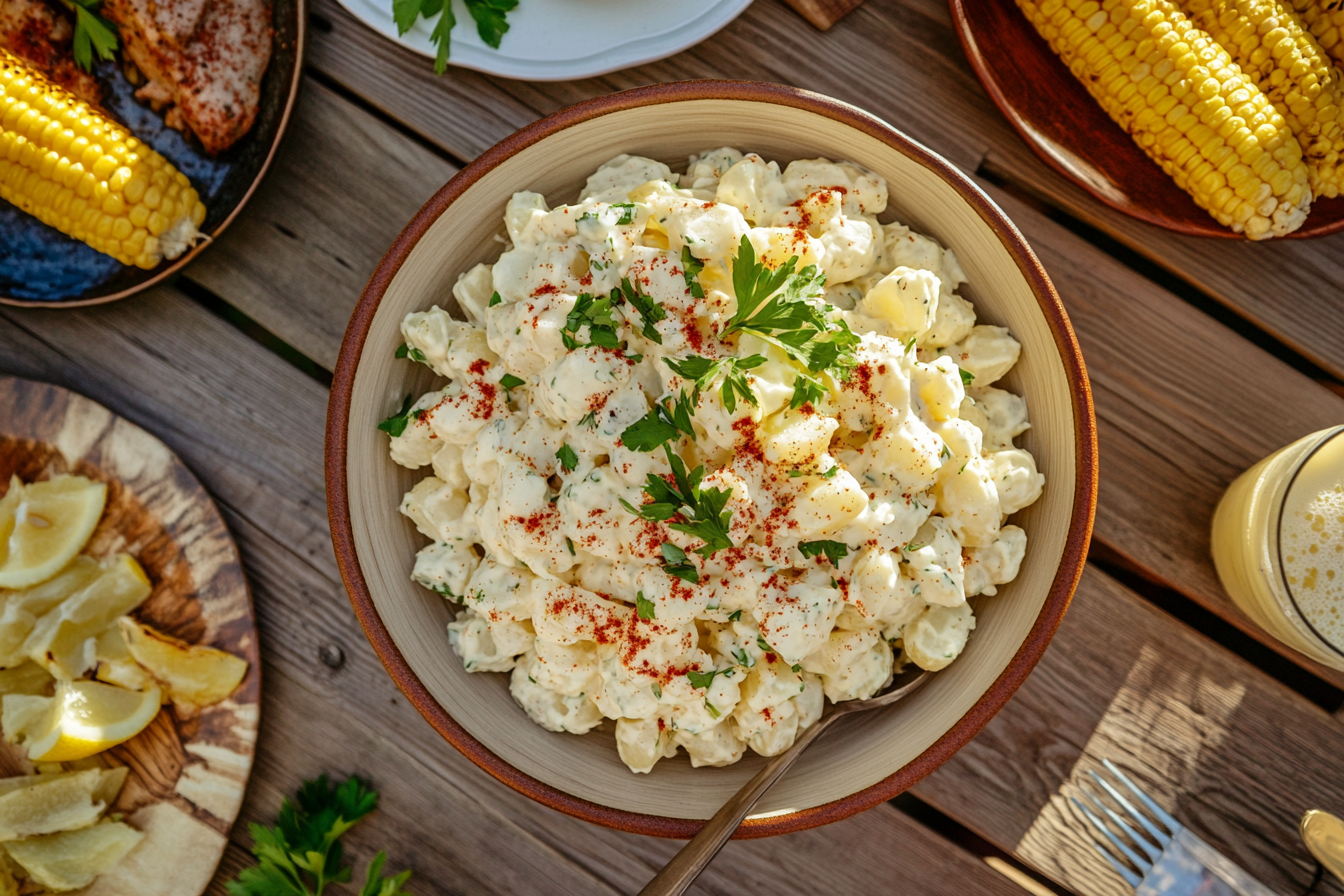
<point x="26" y="678"/>
<point x="115" y="663"/>
<point x="44" y="804"/>
<point x="89" y="717"/>
<point x="51" y="524"/>
<point x="63" y="639"/>
<point x="22" y="608"/>
<point x="72" y="859"/>
<point x="193" y="675"/>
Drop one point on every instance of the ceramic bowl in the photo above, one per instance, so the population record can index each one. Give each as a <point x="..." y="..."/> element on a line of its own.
<point x="873" y="757"/>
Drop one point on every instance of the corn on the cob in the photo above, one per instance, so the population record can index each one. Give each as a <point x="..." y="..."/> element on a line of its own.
<point x="1274" y="48"/>
<point x="73" y="168"/>
<point x="1184" y="101"/>
<point x="1325" y="20"/>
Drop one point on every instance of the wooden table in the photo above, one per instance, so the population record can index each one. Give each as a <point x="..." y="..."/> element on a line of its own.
<point x="1204" y="356"/>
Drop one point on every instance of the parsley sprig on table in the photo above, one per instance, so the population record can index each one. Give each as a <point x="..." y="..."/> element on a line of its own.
<point x="780" y="307"/>
<point x="490" y="16"/>
<point x="302" y="854"/>
<point x="701" y="512"/>
<point x="703" y="370"/>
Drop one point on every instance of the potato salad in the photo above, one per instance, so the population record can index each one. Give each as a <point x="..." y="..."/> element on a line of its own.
<point x="712" y="447"/>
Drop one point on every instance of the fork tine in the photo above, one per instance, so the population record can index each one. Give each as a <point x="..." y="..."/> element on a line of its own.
<point x="1115" y="841"/>
<point x="1130" y="877"/>
<point x="1162" y="815"/>
<point x="1133" y="835"/>
<point x="1162" y="838"/>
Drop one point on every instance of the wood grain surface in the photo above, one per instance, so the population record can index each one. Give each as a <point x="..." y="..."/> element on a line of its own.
<point x="188" y="772"/>
<point x="824" y="13"/>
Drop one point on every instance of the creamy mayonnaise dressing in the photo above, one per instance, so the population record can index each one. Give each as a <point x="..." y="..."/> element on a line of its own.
<point x="667" y="495"/>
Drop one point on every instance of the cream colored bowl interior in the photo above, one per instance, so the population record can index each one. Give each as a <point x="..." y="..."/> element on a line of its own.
<point x="862" y="751"/>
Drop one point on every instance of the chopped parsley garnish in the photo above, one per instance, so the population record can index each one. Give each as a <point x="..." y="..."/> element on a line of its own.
<point x="703" y="370"/>
<point x="797" y="667"/>
<point x="735" y="616"/>
<point x="627" y="212"/>
<point x="945" y="453"/>
<point x="909" y="344"/>
<point x="405" y="351"/>
<point x="697" y="511"/>
<point x="806" y="390"/>
<point x="676" y="564"/>
<point x="760" y="642"/>
<point x="830" y="474"/>
<point x="665" y="422"/>
<point x="568" y="459"/>
<point x="511" y="382"/>
<point x="596" y="315"/>
<point x="644" y="608"/>
<point x="495" y="299"/>
<point x="914" y="546"/>
<point x="713" y="710"/>
<point x="834" y="551"/>
<point x="777" y="306"/>
<point x="650" y="312"/>
<point x="489" y="15"/>
<point x="397" y="423"/>
<point x="743" y="658"/>
<point x="93" y="34"/>
<point x="589" y="420"/>
<point x="691" y="268"/>
<point x="703" y="679"/>
<point x="966" y="376"/>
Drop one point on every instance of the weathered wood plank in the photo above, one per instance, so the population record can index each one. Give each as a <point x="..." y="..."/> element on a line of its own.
<point x="901" y="60"/>
<point x="1231" y="753"/>
<point x="251" y="427"/>
<point x="343" y="186"/>
<point x="823" y="13"/>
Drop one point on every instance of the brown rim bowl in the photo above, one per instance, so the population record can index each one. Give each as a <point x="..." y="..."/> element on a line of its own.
<point x="876" y="756"/>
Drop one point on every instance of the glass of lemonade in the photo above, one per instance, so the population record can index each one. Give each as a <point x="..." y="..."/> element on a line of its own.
<point x="1278" y="544"/>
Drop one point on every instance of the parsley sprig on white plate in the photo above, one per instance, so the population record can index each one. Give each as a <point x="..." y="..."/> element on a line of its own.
<point x="490" y="16"/>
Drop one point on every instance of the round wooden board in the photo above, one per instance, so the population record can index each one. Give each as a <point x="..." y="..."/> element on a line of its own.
<point x="187" y="775"/>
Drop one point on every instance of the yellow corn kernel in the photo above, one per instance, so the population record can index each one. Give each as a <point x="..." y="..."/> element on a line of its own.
<point x="1184" y="101"/>
<point x="83" y="174"/>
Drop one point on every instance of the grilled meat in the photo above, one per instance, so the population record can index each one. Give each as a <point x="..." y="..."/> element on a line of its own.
<point x="40" y="36"/>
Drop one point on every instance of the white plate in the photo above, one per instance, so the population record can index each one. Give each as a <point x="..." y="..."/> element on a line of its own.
<point x="555" y="40"/>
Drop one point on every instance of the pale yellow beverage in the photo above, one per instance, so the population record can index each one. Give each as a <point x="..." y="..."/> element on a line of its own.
<point x="1278" y="544"/>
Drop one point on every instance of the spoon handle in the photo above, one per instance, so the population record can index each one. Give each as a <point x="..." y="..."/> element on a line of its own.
<point x="678" y="874"/>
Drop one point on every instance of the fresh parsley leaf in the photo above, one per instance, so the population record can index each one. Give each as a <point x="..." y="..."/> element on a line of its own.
<point x="677" y="564"/>
<point x="665" y="422"/>
<point x="377" y="885"/>
<point x="966" y="376"/>
<point x="93" y="34"/>
<point x="405" y="351"/>
<point x="830" y="474"/>
<point x="495" y="299"/>
<point x="596" y="314"/>
<point x="490" y="18"/>
<point x="703" y="370"/>
<point x="302" y="854"/>
<point x="806" y="390"/>
<point x="568" y="459"/>
<point x="701" y="512"/>
<point x="650" y="312"/>
<point x="691" y="268"/>
<point x="627" y="211"/>
<point x="834" y="551"/>
<point x="702" y="679"/>
<point x="713" y="710"/>
<point x="397" y="423"/>
<point x="589" y="420"/>
<point x="735" y="616"/>
<point x="442" y="29"/>
<point x="644" y="608"/>
<point x="760" y="642"/>
<point x="511" y="382"/>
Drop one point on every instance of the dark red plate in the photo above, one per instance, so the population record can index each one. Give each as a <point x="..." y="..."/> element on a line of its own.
<point x="1061" y="122"/>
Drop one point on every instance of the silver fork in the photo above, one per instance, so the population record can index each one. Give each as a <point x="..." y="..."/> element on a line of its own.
<point x="1169" y="860"/>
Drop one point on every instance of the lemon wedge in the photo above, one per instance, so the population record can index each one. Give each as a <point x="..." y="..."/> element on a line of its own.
<point x="194" y="676"/>
<point x="88" y="717"/>
<point x="72" y="859"/>
<point x="51" y="522"/>
<point x="23" y="608"/>
<point x="63" y="639"/>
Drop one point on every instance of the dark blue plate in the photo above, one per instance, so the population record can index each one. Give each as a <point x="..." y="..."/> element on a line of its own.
<point x="41" y="266"/>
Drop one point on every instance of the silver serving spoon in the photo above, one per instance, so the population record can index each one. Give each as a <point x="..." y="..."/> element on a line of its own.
<point x="686" y="865"/>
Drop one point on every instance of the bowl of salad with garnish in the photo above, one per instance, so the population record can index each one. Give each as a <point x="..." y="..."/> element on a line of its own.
<point x="687" y="411"/>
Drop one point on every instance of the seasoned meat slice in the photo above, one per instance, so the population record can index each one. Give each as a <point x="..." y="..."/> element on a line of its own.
<point x="40" y="36"/>
<point x="204" y="57"/>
